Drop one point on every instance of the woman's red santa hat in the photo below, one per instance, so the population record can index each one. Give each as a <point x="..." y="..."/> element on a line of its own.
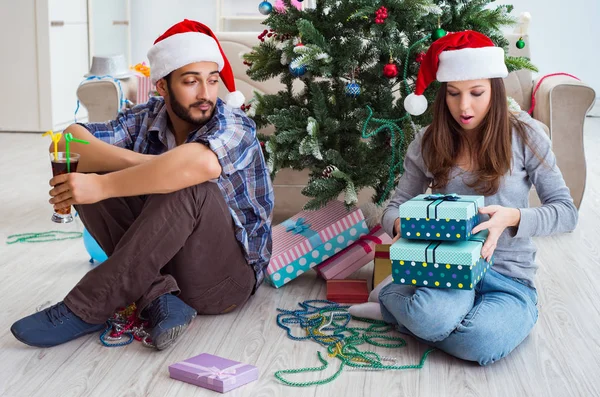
<point x="189" y="42"/>
<point x="460" y="56"/>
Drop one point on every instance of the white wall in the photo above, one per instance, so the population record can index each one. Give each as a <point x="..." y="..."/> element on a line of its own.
<point x="574" y="49"/>
<point x="18" y="97"/>
<point x="151" y="18"/>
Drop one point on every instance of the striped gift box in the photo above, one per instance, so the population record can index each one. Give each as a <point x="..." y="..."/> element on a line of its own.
<point x="145" y="89"/>
<point x="310" y="237"/>
<point x="344" y="263"/>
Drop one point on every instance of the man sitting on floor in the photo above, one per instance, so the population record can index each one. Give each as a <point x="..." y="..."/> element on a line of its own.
<point x="177" y="194"/>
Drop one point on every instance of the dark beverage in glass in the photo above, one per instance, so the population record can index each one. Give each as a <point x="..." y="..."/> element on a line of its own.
<point x="59" y="167"/>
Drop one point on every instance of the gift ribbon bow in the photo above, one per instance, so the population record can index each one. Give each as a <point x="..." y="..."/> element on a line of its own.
<point x="445" y="197"/>
<point x="142" y="69"/>
<point x="363" y="241"/>
<point x="431" y="247"/>
<point x="300" y="226"/>
<point x="437" y="199"/>
<point x="213" y="372"/>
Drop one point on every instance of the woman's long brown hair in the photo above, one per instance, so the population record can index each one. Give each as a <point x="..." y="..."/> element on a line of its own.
<point x="491" y="153"/>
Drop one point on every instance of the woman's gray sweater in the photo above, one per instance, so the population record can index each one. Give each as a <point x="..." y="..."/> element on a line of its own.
<point x="515" y="252"/>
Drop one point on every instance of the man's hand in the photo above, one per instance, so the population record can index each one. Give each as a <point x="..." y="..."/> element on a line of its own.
<point x="76" y="188"/>
<point x="500" y="219"/>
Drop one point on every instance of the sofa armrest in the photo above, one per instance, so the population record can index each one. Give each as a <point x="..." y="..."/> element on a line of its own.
<point x="561" y="103"/>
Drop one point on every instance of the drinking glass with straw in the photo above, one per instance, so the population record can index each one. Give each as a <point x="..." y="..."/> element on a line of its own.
<point x="69" y="138"/>
<point x="55" y="139"/>
<point x="63" y="163"/>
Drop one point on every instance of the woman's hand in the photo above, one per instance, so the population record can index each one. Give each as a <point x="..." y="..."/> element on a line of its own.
<point x="396" y="230"/>
<point x="500" y="219"/>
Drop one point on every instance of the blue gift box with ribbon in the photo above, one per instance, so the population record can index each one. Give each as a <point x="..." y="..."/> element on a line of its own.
<point x="439" y="264"/>
<point x="310" y="237"/>
<point x="445" y="217"/>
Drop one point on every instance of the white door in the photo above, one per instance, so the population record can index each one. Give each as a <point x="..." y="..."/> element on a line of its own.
<point x="109" y="27"/>
<point x="69" y="58"/>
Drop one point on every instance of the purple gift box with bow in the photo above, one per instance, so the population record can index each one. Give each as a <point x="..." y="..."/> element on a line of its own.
<point x="213" y="372"/>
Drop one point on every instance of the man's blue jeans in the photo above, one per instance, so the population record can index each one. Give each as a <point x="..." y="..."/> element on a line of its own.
<point x="483" y="324"/>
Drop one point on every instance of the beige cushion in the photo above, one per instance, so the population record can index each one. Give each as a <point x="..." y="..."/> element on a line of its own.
<point x="100" y="98"/>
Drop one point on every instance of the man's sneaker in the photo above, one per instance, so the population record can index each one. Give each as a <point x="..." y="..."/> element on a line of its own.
<point x="52" y="326"/>
<point x="169" y="317"/>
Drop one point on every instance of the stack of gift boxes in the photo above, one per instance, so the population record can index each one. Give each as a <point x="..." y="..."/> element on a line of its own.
<point x="437" y="248"/>
<point x="311" y="238"/>
<point x="335" y="241"/>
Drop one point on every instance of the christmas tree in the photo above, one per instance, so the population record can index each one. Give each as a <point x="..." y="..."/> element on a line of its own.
<point x="346" y="66"/>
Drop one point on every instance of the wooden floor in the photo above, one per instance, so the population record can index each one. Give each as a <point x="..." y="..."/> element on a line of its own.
<point x="561" y="357"/>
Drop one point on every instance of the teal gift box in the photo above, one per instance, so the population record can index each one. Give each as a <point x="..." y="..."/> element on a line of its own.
<point x="446" y="217"/>
<point x="439" y="264"/>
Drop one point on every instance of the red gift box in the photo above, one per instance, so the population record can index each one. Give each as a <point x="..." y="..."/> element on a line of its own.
<point x="347" y="291"/>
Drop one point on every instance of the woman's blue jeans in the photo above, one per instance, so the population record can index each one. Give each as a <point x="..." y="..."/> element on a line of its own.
<point x="483" y="324"/>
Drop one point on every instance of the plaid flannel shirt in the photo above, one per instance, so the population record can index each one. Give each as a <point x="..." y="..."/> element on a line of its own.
<point x="231" y="135"/>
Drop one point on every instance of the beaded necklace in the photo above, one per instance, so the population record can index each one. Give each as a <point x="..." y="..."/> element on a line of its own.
<point x="327" y="323"/>
<point x="126" y="324"/>
<point x="43" y="237"/>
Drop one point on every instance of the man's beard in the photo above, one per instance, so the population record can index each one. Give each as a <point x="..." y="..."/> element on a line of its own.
<point x="185" y="114"/>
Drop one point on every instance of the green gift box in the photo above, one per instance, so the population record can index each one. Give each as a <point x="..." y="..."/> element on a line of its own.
<point x="446" y="217"/>
<point x="439" y="264"/>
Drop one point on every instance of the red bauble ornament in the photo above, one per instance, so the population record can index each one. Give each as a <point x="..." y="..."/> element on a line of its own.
<point x="381" y="15"/>
<point x="420" y="57"/>
<point x="390" y="70"/>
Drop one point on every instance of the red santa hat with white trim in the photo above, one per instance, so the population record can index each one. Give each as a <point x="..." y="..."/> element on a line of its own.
<point x="459" y="56"/>
<point x="188" y="42"/>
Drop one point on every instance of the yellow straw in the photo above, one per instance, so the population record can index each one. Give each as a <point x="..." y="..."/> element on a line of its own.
<point x="55" y="138"/>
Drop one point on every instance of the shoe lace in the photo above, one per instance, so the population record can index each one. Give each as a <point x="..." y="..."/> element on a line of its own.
<point x="157" y="310"/>
<point x="57" y="312"/>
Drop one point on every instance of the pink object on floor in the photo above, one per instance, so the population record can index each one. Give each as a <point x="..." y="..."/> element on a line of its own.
<point x="311" y="237"/>
<point x="346" y="262"/>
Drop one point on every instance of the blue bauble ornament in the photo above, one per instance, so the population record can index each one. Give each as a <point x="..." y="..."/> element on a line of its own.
<point x="298" y="71"/>
<point x="265" y="8"/>
<point x="352" y="90"/>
